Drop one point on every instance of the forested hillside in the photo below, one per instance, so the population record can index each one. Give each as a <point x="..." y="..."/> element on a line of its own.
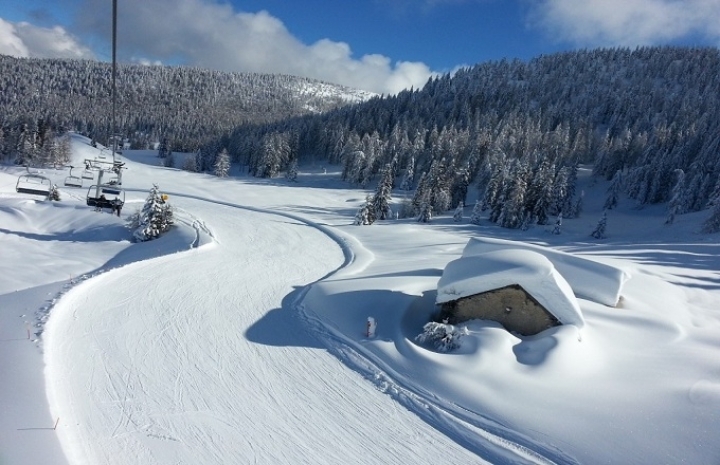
<point x="185" y="106"/>
<point x="649" y="117"/>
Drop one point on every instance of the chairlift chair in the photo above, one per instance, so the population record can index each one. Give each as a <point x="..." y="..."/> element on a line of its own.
<point x="88" y="174"/>
<point x="73" y="181"/>
<point x="105" y="196"/>
<point x="34" y="184"/>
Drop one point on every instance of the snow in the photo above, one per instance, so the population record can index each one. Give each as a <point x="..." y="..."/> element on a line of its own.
<point x="240" y="336"/>
<point x="532" y="271"/>
<point x="592" y="280"/>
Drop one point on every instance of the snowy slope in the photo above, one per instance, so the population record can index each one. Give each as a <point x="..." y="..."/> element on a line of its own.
<point x="239" y="337"/>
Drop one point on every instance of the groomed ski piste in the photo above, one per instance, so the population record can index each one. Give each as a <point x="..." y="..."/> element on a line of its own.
<point x="239" y="336"/>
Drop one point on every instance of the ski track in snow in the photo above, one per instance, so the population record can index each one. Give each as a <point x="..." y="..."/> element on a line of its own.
<point x="186" y="362"/>
<point x="228" y="352"/>
<point x="470" y="429"/>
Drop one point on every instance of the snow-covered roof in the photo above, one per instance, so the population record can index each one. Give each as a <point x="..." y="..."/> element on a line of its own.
<point x="588" y="279"/>
<point x="530" y="270"/>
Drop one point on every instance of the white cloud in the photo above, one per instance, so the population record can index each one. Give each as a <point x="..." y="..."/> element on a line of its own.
<point x="10" y="43"/>
<point x="628" y="22"/>
<point x="25" y="40"/>
<point x="211" y="35"/>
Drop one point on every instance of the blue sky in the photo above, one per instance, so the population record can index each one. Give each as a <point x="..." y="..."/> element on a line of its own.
<point x="442" y="36"/>
<point x="378" y="45"/>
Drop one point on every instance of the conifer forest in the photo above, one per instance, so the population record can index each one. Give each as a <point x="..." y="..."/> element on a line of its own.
<point x="647" y="119"/>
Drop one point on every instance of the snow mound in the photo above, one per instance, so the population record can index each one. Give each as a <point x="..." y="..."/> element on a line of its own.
<point x="532" y="271"/>
<point x="588" y="279"/>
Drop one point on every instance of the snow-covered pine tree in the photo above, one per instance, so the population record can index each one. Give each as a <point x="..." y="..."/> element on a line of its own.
<point x="426" y="211"/>
<point x="477" y="210"/>
<point x="614" y="191"/>
<point x="409" y="176"/>
<point x="365" y="215"/>
<point x="712" y="224"/>
<point x="458" y="215"/>
<point x="543" y="204"/>
<point x="222" y="164"/>
<point x="164" y="148"/>
<point x="539" y="176"/>
<point x="349" y="154"/>
<point x="578" y="206"/>
<point x="512" y="212"/>
<point x="675" y="204"/>
<point x="560" y="190"/>
<point x="460" y="184"/>
<point x="57" y="149"/>
<point x="155" y="218"/>
<point x="54" y="193"/>
<point x="438" y="186"/>
<point x="353" y="163"/>
<point x="494" y="187"/>
<point x="292" y="172"/>
<point x="558" y="223"/>
<point x="482" y="176"/>
<point x="420" y="195"/>
<point x="568" y="206"/>
<point x="383" y="195"/>
<point x="270" y="156"/>
<point x="599" y="232"/>
<point x="497" y="206"/>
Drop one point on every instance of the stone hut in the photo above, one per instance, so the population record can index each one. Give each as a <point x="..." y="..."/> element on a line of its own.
<point x="520" y="289"/>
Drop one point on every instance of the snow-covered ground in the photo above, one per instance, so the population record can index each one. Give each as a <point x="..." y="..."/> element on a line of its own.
<point x="239" y="337"/>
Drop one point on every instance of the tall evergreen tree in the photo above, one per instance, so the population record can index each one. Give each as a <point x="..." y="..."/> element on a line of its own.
<point x="164" y="148"/>
<point x="383" y="195"/>
<point x="409" y="176"/>
<point x="222" y="164"/>
<point x="365" y="214"/>
<point x="458" y="215"/>
<point x="675" y="204"/>
<point x="614" y="191"/>
<point x="292" y="172"/>
<point x="712" y="224"/>
<point x="426" y="212"/>
<point x="512" y="211"/>
<point x="460" y="184"/>
<point x="421" y="194"/>
<point x="476" y="212"/>
<point x="599" y="231"/>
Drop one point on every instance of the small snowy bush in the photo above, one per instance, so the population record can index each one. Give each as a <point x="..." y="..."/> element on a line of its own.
<point x="443" y="337"/>
<point x="54" y="193"/>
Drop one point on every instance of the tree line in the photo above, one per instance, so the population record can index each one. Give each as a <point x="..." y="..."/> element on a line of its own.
<point x="509" y="127"/>
<point x="187" y="106"/>
<point x="515" y="130"/>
